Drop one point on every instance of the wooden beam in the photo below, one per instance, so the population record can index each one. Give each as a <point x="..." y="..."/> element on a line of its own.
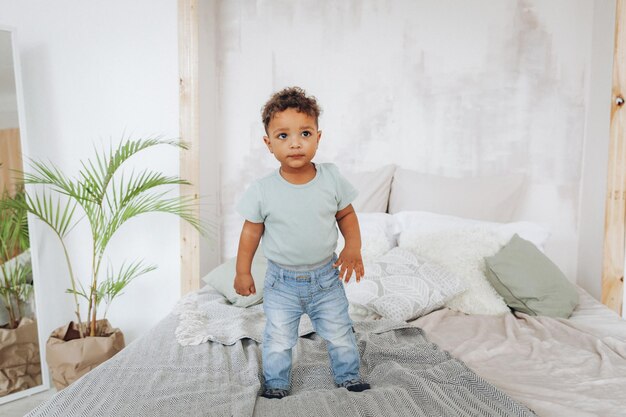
<point x="10" y="160"/>
<point x="189" y="132"/>
<point x="614" y="225"/>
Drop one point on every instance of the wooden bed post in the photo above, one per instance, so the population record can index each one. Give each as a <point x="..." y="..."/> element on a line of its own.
<point x="189" y="132"/>
<point x="615" y="213"/>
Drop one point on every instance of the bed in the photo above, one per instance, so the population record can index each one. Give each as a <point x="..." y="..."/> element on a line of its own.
<point x="456" y="352"/>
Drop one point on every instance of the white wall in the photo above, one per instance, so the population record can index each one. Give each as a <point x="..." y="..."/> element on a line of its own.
<point x="94" y="72"/>
<point x="444" y="87"/>
<point x="450" y="88"/>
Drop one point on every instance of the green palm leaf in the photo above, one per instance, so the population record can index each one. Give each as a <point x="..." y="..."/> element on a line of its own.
<point x="117" y="281"/>
<point x="100" y="174"/>
<point x="13" y="225"/>
<point x="59" y="214"/>
<point x="127" y="189"/>
<point x="52" y="176"/>
<point x="149" y="203"/>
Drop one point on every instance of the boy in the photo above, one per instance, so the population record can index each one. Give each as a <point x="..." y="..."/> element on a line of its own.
<point x="295" y="210"/>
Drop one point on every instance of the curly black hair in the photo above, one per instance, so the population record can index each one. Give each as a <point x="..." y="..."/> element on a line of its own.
<point x="290" y="98"/>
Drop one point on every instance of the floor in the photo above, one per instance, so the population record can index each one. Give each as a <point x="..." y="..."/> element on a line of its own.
<point x="19" y="408"/>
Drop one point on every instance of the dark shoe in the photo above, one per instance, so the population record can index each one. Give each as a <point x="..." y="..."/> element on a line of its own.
<point x="275" y="393"/>
<point x="355" y="385"/>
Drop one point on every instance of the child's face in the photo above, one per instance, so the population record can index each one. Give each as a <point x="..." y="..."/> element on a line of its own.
<point x="293" y="138"/>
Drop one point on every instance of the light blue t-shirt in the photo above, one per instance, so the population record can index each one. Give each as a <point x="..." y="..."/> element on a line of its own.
<point x="300" y="225"/>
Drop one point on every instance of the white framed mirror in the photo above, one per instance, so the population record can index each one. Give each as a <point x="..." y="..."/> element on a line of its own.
<point x="23" y="369"/>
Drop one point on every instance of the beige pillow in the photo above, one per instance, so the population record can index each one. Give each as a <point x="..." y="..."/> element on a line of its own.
<point x="481" y="198"/>
<point x="374" y="188"/>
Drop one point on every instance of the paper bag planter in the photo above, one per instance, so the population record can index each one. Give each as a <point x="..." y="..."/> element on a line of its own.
<point x="20" y="366"/>
<point x="69" y="356"/>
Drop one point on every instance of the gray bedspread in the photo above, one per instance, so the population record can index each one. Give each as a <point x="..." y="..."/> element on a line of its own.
<point x="157" y="376"/>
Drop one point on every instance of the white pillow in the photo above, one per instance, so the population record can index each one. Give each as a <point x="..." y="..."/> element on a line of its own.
<point x="483" y="198"/>
<point x="425" y="222"/>
<point x="462" y="252"/>
<point x="374" y="188"/>
<point x="378" y="234"/>
<point x="400" y="286"/>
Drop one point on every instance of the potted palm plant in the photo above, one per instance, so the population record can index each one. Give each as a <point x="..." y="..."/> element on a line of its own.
<point x="107" y="198"/>
<point x="19" y="346"/>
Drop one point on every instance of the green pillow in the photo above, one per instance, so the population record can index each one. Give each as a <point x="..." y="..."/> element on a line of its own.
<point x="530" y="282"/>
<point x="222" y="279"/>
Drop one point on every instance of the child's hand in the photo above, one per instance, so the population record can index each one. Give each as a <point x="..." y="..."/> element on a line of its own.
<point x="244" y="284"/>
<point x="350" y="261"/>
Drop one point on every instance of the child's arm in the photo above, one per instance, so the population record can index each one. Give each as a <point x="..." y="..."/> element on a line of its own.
<point x="248" y="242"/>
<point x="350" y="257"/>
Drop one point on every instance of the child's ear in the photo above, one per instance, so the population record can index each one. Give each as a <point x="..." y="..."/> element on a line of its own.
<point x="319" y="136"/>
<point x="267" y="143"/>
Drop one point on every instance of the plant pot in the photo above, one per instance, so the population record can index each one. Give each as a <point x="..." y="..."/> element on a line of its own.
<point x="20" y="365"/>
<point x="69" y="357"/>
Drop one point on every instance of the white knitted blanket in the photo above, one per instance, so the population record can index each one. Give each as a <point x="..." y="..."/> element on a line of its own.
<point x="205" y="315"/>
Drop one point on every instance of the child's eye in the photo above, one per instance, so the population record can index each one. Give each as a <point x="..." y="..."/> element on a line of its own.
<point x="306" y="133"/>
<point x="282" y="136"/>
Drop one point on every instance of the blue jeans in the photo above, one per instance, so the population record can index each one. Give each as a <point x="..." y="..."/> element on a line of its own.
<point x="287" y="295"/>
